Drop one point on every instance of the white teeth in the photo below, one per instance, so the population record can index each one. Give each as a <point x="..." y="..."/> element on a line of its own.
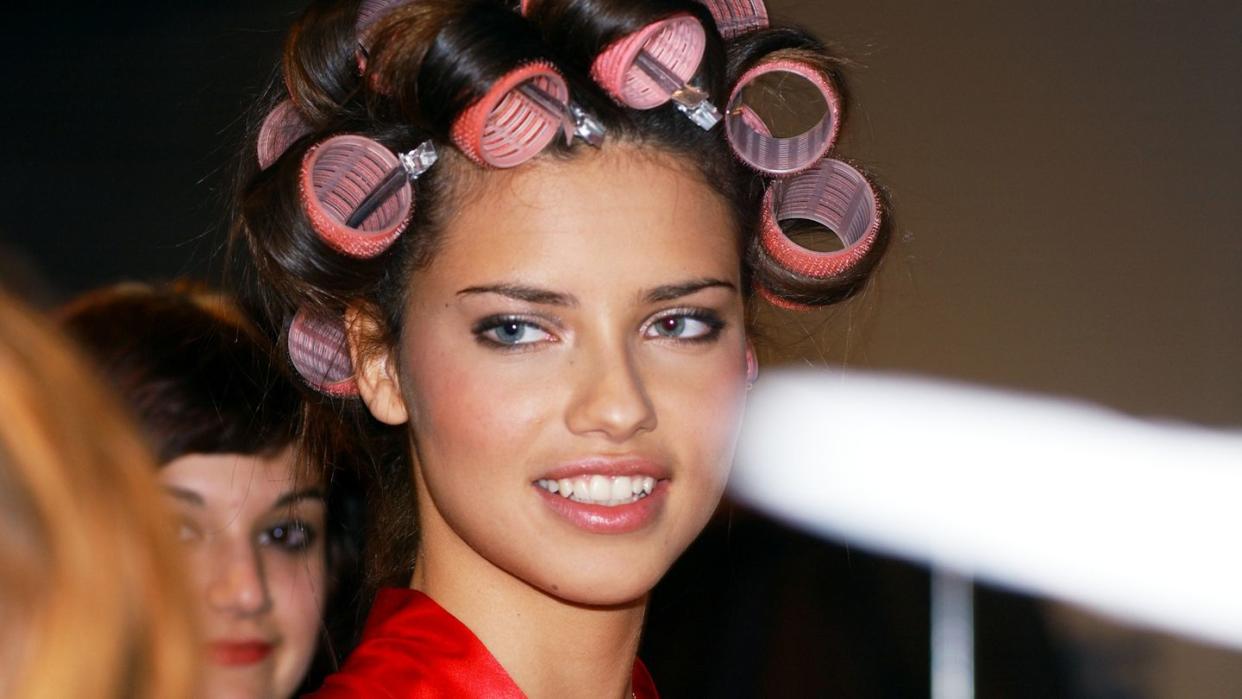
<point x="621" y="489"/>
<point x="601" y="489"/>
<point x="598" y="489"/>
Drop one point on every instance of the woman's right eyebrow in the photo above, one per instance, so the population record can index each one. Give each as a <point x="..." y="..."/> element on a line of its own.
<point x="187" y="496"/>
<point x="530" y="294"/>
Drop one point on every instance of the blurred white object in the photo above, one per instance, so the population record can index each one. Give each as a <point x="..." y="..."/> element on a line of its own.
<point x="1137" y="519"/>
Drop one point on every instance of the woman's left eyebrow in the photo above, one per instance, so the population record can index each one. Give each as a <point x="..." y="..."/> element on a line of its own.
<point x="669" y="292"/>
<point x="295" y="495"/>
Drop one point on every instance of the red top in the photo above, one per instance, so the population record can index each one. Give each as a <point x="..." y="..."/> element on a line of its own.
<point x="413" y="649"/>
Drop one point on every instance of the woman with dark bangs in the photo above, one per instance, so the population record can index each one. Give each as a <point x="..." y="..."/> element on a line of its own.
<point x="259" y="528"/>
<point x="513" y="248"/>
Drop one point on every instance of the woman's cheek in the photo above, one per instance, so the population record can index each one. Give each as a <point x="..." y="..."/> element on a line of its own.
<point x="480" y="405"/>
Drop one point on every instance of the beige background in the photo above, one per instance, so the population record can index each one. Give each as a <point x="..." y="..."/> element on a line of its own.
<point x="1064" y="179"/>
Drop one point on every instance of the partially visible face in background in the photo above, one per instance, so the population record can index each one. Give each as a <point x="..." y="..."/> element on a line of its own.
<point x="254" y="539"/>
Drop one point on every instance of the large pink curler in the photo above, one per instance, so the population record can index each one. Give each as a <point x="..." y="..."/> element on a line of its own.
<point x="319" y="352"/>
<point x="357" y="193"/>
<point x="753" y="141"/>
<point x="281" y="127"/>
<point x="654" y="65"/>
<point x="737" y="17"/>
<point x="834" y="195"/>
<point x="518" y="117"/>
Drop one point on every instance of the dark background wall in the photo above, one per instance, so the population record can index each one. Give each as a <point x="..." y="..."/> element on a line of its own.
<point x="1064" y="178"/>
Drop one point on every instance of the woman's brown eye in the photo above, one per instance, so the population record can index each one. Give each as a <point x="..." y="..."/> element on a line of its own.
<point x="686" y="326"/>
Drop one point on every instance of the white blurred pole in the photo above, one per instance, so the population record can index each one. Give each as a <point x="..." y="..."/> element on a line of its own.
<point x="1135" y="519"/>
<point x="952" y="636"/>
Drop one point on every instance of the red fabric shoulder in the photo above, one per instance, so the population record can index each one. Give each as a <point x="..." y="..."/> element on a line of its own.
<point x="413" y="649"/>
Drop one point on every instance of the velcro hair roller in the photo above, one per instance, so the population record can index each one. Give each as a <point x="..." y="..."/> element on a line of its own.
<point x="357" y="193"/>
<point x="517" y="118"/>
<point x="834" y="195"/>
<point x="737" y="17"/>
<point x="319" y="352"/>
<point x="653" y="65"/>
<point x="281" y="127"/>
<point x="751" y="138"/>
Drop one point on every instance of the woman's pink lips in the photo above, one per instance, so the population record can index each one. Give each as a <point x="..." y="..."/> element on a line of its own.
<point x="238" y="652"/>
<point x="608" y="519"/>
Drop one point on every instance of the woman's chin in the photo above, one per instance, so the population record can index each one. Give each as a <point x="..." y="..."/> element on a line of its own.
<point x="623" y="588"/>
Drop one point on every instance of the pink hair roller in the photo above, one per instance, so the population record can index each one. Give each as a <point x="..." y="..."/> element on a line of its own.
<point x="357" y="193"/>
<point x="737" y="17"/>
<point x="281" y="127"/>
<point x="520" y="114"/>
<point x="654" y="65"/>
<point x="768" y="295"/>
<point x="319" y="352"/>
<point x="834" y="195"/>
<point x="754" y="143"/>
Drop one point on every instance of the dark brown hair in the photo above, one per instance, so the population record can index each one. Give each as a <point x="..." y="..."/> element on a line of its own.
<point x="428" y="60"/>
<point x="197" y="375"/>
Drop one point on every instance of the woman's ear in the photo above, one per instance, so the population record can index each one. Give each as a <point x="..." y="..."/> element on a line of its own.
<point x="375" y="371"/>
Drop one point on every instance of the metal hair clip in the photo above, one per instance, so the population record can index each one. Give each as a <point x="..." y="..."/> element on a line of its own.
<point x="577" y="121"/>
<point x="413" y="164"/>
<point x="586" y="126"/>
<point x="689" y="99"/>
<point x="654" y="65"/>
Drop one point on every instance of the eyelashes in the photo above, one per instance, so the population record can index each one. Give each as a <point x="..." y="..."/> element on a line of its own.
<point x="689" y="326"/>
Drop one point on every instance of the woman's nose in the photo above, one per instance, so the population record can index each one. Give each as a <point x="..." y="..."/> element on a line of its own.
<point x="236" y="582"/>
<point x="610" y="397"/>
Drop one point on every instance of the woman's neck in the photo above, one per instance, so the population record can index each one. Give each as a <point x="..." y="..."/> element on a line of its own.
<point x="550" y="647"/>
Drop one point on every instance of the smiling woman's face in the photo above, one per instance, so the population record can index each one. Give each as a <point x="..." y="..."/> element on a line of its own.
<point x="580" y="331"/>
<point x="254" y="538"/>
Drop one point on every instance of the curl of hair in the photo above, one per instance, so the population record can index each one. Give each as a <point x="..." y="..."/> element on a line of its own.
<point x="319" y="60"/>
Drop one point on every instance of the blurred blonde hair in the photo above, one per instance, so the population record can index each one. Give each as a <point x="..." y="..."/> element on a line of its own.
<point x="92" y="600"/>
